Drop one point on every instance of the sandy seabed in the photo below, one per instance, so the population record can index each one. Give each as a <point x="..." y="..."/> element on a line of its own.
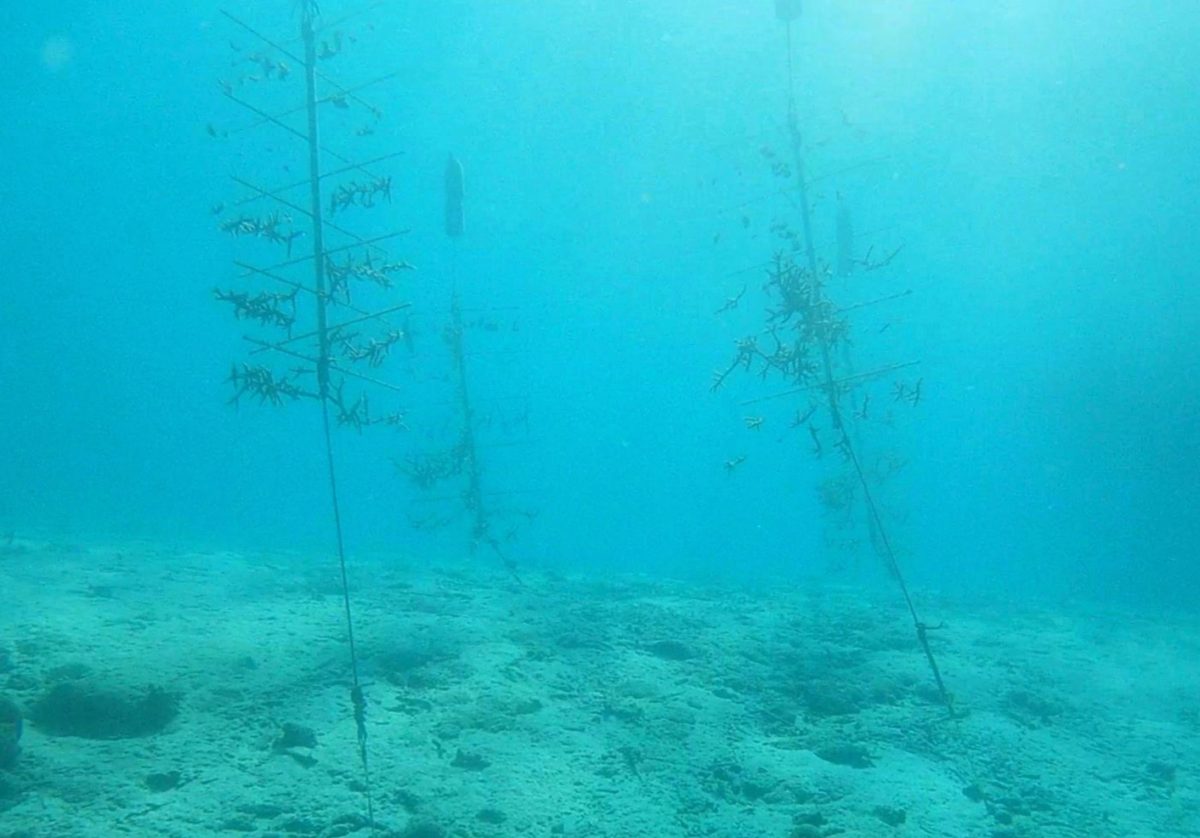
<point x="575" y="706"/>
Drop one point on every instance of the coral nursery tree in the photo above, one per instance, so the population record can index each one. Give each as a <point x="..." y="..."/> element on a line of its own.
<point x="805" y="340"/>
<point x="318" y="287"/>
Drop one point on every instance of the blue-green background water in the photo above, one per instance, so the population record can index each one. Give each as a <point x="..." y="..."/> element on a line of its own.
<point x="1036" y="160"/>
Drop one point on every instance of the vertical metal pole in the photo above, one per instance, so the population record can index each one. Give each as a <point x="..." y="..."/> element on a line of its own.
<point x="455" y="223"/>
<point x="474" y="495"/>
<point x="357" y="697"/>
<point x="835" y="414"/>
<point x="831" y="393"/>
<point x="314" y="186"/>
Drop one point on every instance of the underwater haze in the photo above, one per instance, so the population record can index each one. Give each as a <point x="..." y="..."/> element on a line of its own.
<point x="1034" y="159"/>
<point x="600" y="417"/>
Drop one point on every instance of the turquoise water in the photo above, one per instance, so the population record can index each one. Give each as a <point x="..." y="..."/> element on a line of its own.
<point x="728" y="350"/>
<point x="1035" y="162"/>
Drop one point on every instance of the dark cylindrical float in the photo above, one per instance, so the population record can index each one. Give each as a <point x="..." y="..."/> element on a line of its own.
<point x="787" y="10"/>
<point x="455" y="220"/>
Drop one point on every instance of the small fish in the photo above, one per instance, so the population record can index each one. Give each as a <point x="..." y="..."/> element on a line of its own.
<point x="862" y="412"/>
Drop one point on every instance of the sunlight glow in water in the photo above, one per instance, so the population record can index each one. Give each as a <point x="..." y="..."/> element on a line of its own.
<point x="57" y="53"/>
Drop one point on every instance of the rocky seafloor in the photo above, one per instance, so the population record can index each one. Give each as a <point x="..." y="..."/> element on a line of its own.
<point x="153" y="691"/>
